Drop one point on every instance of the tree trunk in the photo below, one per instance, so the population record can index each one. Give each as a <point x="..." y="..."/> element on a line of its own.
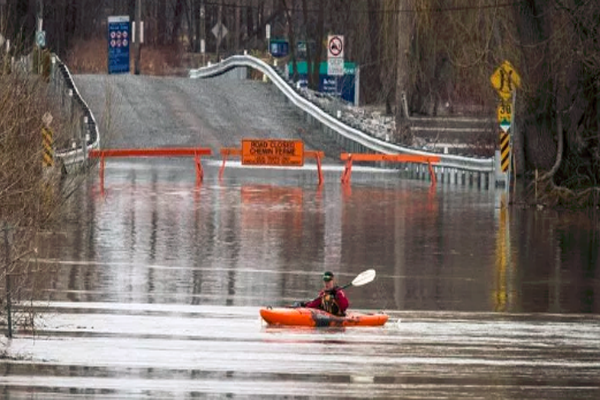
<point x="535" y="69"/>
<point x="161" y="23"/>
<point x="219" y="19"/>
<point x="403" y="82"/>
<point x="238" y="8"/>
<point x="177" y="21"/>
<point x="319" y="44"/>
<point x="308" y="35"/>
<point x="292" y="37"/>
<point x="249" y="22"/>
<point x="373" y="80"/>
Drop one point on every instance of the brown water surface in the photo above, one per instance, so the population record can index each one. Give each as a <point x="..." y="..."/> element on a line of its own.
<point x="158" y="286"/>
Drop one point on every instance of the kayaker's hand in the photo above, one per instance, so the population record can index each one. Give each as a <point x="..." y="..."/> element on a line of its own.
<point x="299" y="304"/>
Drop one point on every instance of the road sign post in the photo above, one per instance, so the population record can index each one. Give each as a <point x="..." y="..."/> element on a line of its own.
<point x="506" y="81"/>
<point x="119" y="39"/>
<point x="268" y="36"/>
<point x="47" y="141"/>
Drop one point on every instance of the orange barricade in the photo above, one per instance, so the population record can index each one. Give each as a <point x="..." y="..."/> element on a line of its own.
<point x="228" y="152"/>
<point x="163" y="152"/>
<point x="407" y="158"/>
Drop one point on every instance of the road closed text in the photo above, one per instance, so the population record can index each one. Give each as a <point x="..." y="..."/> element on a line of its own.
<point x="273" y="152"/>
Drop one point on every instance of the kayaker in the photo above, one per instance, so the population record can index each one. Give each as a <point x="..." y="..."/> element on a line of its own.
<point x="331" y="298"/>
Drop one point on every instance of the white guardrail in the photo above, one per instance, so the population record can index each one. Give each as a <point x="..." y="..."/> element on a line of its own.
<point x="449" y="161"/>
<point x="86" y="130"/>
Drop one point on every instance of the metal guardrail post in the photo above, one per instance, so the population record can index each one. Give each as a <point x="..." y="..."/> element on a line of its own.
<point x="499" y="176"/>
<point x="82" y="139"/>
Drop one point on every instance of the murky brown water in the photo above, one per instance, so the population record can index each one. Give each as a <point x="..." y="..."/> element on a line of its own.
<point x="158" y="287"/>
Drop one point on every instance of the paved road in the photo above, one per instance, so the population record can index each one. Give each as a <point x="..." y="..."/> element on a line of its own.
<point x="134" y="111"/>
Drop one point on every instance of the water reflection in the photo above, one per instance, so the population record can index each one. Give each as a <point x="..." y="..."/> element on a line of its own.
<point x="158" y="286"/>
<point x="154" y="237"/>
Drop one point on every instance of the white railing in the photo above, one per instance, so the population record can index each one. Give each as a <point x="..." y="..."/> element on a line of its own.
<point x="448" y="161"/>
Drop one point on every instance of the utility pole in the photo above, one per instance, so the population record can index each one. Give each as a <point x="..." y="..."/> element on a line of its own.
<point x="138" y="36"/>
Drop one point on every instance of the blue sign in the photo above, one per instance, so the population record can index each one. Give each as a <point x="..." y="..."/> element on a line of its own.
<point x="340" y="86"/>
<point x="279" y="48"/>
<point x="119" y="39"/>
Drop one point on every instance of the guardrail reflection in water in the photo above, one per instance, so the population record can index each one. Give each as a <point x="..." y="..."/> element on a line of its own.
<point x="452" y="169"/>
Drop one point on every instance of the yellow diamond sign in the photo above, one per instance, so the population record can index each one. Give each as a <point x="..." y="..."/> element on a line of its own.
<point x="505" y="80"/>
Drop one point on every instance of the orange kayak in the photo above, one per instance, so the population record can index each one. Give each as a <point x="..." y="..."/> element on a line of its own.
<point x="318" y="318"/>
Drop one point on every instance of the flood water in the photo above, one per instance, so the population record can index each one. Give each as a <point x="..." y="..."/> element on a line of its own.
<point x="158" y="284"/>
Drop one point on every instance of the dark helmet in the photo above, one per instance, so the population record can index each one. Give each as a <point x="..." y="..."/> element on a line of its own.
<point x="327" y="276"/>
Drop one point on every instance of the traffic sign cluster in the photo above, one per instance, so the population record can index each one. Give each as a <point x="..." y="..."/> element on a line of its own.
<point x="505" y="80"/>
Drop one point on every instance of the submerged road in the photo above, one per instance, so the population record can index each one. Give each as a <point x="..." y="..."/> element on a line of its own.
<point x="144" y="111"/>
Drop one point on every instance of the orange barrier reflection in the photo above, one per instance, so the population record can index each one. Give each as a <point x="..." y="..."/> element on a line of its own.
<point x="271" y="207"/>
<point x="406" y="158"/>
<point x="161" y="152"/>
<point x="235" y="152"/>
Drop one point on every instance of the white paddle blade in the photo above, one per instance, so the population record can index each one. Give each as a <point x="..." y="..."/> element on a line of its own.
<point x="364" y="277"/>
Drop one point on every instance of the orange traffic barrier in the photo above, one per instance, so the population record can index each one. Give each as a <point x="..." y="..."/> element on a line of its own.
<point x="161" y="152"/>
<point x="228" y="152"/>
<point x="407" y="158"/>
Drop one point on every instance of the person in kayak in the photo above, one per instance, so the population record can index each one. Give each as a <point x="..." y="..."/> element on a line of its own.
<point x="331" y="298"/>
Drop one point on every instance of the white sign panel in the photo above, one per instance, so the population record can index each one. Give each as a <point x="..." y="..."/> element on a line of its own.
<point x="335" y="55"/>
<point x="335" y="46"/>
<point x="335" y="67"/>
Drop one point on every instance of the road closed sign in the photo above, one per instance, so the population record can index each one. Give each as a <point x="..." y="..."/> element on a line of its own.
<point x="287" y="153"/>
